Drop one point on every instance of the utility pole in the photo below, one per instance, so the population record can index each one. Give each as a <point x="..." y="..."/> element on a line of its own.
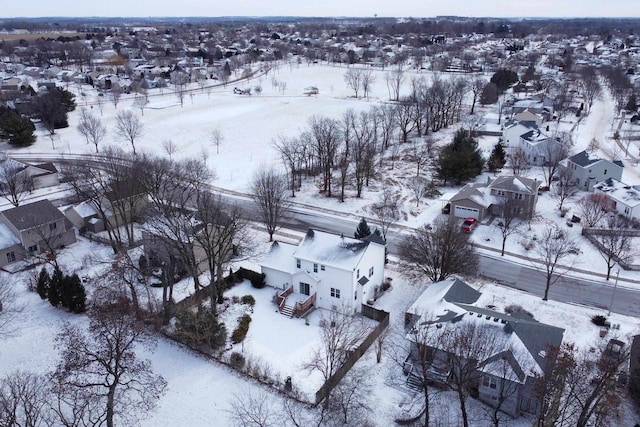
<point x="613" y="294"/>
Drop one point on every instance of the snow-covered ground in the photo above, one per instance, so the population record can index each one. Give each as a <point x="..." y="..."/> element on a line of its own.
<point x="200" y="390"/>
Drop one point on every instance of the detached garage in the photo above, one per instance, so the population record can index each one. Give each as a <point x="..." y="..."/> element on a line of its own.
<point x="471" y="201"/>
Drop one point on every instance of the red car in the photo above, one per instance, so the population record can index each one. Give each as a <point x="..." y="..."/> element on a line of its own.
<point x="468" y="225"/>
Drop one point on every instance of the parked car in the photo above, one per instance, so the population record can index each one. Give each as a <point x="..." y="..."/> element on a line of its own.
<point x="468" y="225"/>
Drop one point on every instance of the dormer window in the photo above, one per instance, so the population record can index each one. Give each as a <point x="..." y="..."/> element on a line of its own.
<point x="605" y="172"/>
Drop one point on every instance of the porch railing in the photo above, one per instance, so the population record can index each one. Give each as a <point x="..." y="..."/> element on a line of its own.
<point x="303" y="306"/>
<point x="281" y="297"/>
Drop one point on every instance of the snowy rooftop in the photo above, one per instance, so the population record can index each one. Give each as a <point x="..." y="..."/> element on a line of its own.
<point x="85" y="209"/>
<point x="7" y="238"/>
<point x="331" y="249"/>
<point x="280" y="257"/>
<point x="628" y="194"/>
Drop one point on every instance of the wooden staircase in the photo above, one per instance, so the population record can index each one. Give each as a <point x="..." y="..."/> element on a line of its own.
<point x="287" y="310"/>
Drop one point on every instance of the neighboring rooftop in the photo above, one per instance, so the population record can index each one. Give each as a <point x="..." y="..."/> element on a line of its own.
<point x="33" y="215"/>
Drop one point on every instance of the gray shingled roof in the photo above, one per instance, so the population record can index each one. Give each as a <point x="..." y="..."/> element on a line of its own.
<point x="583" y="159"/>
<point x="33" y="215"/>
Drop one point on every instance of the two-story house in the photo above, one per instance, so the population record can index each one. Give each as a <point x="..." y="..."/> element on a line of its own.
<point x="588" y="170"/>
<point x="37" y="227"/>
<point x="505" y="371"/>
<point x="477" y="200"/>
<point x="326" y="270"/>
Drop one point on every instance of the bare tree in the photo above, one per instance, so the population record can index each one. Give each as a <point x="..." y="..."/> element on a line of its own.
<point x="510" y="218"/>
<point x="217" y="138"/>
<point x="554" y="153"/>
<point x="128" y="127"/>
<point x="440" y="251"/>
<point x="564" y="188"/>
<point x="517" y="162"/>
<point x="15" y="182"/>
<point x="476" y="86"/>
<point x="590" y="85"/>
<point x="368" y="79"/>
<point x="254" y="409"/>
<point x="141" y="101"/>
<point x="614" y="243"/>
<point x="115" y="93"/>
<point x="269" y="192"/>
<point x="24" y="400"/>
<point x="91" y="128"/>
<point x="349" y="404"/>
<point x="339" y="334"/>
<point x="292" y="155"/>
<point x="180" y="81"/>
<point x="420" y="153"/>
<point x="394" y="80"/>
<point x="324" y="137"/>
<point x="554" y="247"/>
<point x="353" y="79"/>
<point x="419" y="186"/>
<point x="387" y="210"/>
<point x="594" y="207"/>
<point x="169" y="147"/>
<point x="104" y="363"/>
<point x="100" y="103"/>
<point x="10" y="308"/>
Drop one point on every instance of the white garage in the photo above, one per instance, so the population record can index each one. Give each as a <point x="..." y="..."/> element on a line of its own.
<point x="465" y="212"/>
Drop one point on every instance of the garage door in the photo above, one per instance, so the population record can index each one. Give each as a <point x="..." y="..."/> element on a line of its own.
<point x="464" y="212"/>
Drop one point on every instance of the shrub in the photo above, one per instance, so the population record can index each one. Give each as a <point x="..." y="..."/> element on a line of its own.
<point x="236" y="360"/>
<point x="599" y="320"/>
<point x="256" y="279"/>
<point x="201" y="327"/>
<point x="241" y="331"/>
<point x="249" y="299"/>
<point x="516" y="310"/>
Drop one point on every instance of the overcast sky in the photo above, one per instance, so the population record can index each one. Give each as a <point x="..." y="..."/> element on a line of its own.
<point x="365" y="8"/>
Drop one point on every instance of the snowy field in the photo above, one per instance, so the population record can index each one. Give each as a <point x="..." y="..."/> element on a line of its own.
<point x="200" y="391"/>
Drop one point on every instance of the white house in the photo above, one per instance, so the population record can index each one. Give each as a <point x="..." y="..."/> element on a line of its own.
<point x="326" y="270"/>
<point x="626" y="198"/>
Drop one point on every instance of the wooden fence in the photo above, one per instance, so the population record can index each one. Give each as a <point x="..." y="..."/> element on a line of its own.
<point x="590" y="234"/>
<point x="372" y="313"/>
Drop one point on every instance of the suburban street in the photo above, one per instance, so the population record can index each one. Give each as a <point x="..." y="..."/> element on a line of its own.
<point x="518" y="275"/>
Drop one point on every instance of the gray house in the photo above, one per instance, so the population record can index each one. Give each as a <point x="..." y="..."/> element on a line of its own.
<point x="37" y="227"/>
<point x="478" y="200"/>
<point x="518" y="353"/>
<point x="588" y="170"/>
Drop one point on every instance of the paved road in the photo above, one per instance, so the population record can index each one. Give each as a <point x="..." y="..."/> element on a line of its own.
<point x="594" y="293"/>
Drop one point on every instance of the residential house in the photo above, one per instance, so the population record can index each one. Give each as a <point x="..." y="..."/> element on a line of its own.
<point x="42" y="174"/>
<point x="325" y="270"/>
<point x="519" y="349"/>
<point x="37" y="227"/>
<point x="625" y="198"/>
<point x="526" y="136"/>
<point x="478" y="200"/>
<point x="588" y="170"/>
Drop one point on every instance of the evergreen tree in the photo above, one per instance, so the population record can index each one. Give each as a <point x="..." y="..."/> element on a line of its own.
<point x="363" y="230"/>
<point x="55" y="287"/>
<point x="15" y="128"/>
<point x="44" y="280"/>
<point x="489" y="94"/>
<point x="75" y="296"/>
<point x="497" y="159"/>
<point x="461" y="160"/>
<point x="504" y="78"/>
<point x="632" y="105"/>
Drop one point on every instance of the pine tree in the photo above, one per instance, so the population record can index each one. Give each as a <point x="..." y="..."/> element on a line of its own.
<point x="44" y="281"/>
<point x="76" y="296"/>
<point x="363" y="230"/>
<point x="497" y="159"/>
<point x="55" y="287"/>
<point x="461" y="160"/>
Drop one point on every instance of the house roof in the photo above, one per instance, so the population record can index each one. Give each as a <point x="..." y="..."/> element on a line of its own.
<point x="331" y="249"/>
<point x="280" y="257"/>
<point x="7" y="238"/>
<point x="619" y="191"/>
<point x="475" y="193"/>
<point x="583" y="159"/>
<point x="527" y="340"/>
<point x="33" y="215"/>
<point x="516" y="184"/>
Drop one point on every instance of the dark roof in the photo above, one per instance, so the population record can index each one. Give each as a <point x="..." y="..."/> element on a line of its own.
<point x="460" y="292"/>
<point x="619" y="163"/>
<point x="48" y="167"/>
<point x="125" y="188"/>
<point x="583" y="159"/>
<point x="33" y="215"/>
<point x="375" y="238"/>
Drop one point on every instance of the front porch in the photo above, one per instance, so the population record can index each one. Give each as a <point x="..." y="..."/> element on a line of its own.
<point x="292" y="303"/>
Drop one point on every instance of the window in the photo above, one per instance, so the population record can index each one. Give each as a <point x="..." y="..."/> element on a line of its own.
<point x="297" y="263"/>
<point x="489" y="381"/>
<point x="53" y="226"/>
<point x="626" y="210"/>
<point x="500" y="193"/>
<point x="518" y="196"/>
<point x="315" y="268"/>
<point x="371" y="272"/>
<point x="355" y="295"/>
<point x="335" y="293"/>
<point x="322" y="268"/>
<point x="33" y="248"/>
<point x="357" y="273"/>
<point x="11" y="256"/>
<point x="305" y="288"/>
<point x="605" y="172"/>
